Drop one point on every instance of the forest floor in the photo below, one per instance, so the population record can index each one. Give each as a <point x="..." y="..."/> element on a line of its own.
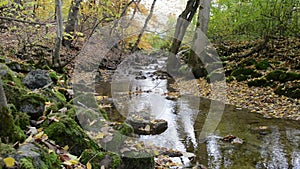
<point x="275" y="95"/>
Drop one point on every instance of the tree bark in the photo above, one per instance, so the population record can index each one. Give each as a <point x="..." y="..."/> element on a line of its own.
<point x="59" y="34"/>
<point x="135" y="47"/>
<point x="183" y="22"/>
<point x="72" y="22"/>
<point x="204" y="15"/>
<point x="3" y="101"/>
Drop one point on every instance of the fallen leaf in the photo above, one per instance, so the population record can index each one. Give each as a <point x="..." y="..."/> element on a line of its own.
<point x="9" y="162"/>
<point x="88" y="165"/>
<point x="66" y="148"/>
<point x="147" y="128"/>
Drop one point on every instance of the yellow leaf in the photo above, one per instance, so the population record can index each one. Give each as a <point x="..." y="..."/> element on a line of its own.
<point x="88" y="165"/>
<point x="9" y="162"/>
<point x="100" y="135"/>
<point x="147" y="128"/>
<point x="66" y="148"/>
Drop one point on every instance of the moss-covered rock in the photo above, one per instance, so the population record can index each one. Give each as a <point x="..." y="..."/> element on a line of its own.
<point x="8" y="75"/>
<point x="262" y="82"/>
<point x="19" y="67"/>
<point x="263" y="65"/>
<point x="138" y="163"/>
<point x="36" y="156"/>
<point x="242" y="74"/>
<point x="33" y="104"/>
<point x="289" y="91"/>
<point x="124" y="129"/>
<point x="26" y="163"/>
<point x="247" y="62"/>
<point x="282" y="76"/>
<point x="98" y="159"/>
<point x="9" y="132"/>
<point x="21" y="119"/>
<point x="68" y="132"/>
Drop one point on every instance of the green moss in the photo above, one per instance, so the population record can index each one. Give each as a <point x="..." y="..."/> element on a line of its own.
<point x="9" y="132"/>
<point x="259" y="82"/>
<point x="8" y="75"/>
<point x="136" y="162"/>
<point x="53" y="76"/>
<point x="6" y="149"/>
<point x="13" y="93"/>
<point x="230" y="79"/>
<point x="247" y="62"/>
<point x="51" y="160"/>
<point x="46" y="67"/>
<point x="2" y="59"/>
<point x="275" y="75"/>
<point x="263" y="65"/>
<point x="279" y="75"/>
<point x="242" y="77"/>
<point x="95" y="158"/>
<point x="26" y="163"/>
<point x="21" y="119"/>
<point x="124" y="129"/>
<point x="289" y="91"/>
<point x="67" y="132"/>
<point x="290" y="76"/>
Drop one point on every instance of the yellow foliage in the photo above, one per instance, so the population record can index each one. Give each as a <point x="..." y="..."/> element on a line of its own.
<point x="9" y="162"/>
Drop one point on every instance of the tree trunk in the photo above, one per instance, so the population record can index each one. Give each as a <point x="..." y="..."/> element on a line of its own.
<point x="3" y="102"/>
<point x="199" y="36"/>
<point x="135" y="47"/>
<point x="204" y="15"/>
<point x="58" y="42"/>
<point x="72" y="22"/>
<point x="183" y="22"/>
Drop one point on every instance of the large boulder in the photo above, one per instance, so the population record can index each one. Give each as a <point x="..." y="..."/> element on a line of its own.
<point x="37" y="79"/>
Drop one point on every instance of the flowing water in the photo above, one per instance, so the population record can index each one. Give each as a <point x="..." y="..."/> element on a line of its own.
<point x="267" y="143"/>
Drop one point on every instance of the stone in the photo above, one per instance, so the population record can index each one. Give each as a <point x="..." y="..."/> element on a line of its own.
<point x="143" y="127"/>
<point x="36" y="79"/>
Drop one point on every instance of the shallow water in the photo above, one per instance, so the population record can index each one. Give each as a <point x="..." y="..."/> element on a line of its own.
<point x="268" y="143"/>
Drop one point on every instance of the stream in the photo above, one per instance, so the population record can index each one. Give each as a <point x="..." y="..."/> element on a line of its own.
<point x="266" y="143"/>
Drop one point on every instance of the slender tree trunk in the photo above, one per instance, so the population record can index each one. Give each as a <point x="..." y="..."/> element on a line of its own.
<point x="204" y="15"/>
<point x="59" y="35"/>
<point x="135" y="47"/>
<point x="183" y="22"/>
<point x="72" y="22"/>
<point x="201" y="31"/>
<point x="3" y="101"/>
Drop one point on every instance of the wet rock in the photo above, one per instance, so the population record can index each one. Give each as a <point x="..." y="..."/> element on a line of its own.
<point x="36" y="79"/>
<point x="143" y="127"/>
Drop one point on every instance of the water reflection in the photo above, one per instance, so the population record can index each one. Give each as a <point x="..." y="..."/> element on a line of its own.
<point x="269" y="143"/>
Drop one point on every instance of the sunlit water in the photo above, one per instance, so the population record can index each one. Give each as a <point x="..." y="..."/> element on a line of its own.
<point x="268" y="143"/>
